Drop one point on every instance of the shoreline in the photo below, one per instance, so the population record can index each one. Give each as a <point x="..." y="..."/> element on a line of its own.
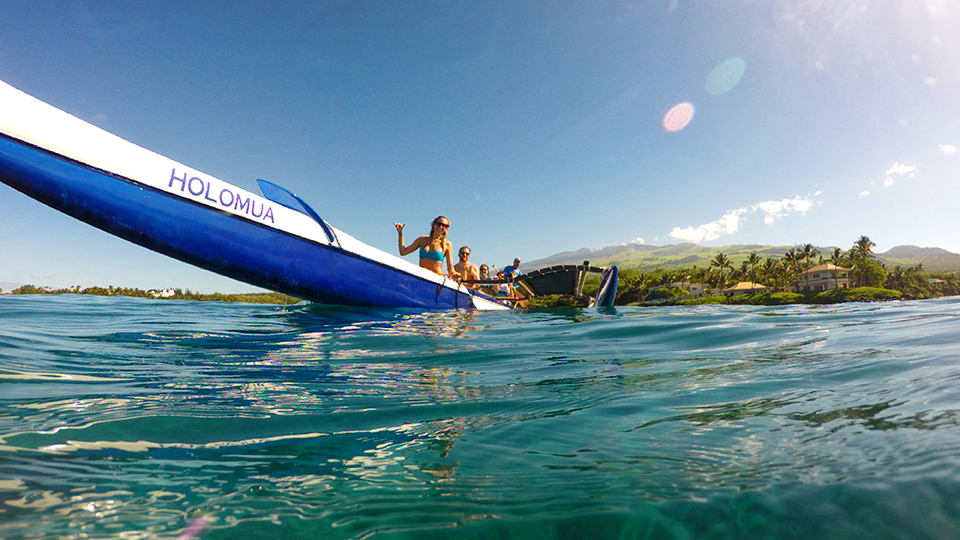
<point x="273" y="298"/>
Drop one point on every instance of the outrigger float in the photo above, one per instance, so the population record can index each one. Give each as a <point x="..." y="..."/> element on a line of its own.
<point x="275" y="241"/>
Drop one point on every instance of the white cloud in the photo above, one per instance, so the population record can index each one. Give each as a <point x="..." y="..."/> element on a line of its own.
<point x="898" y="169"/>
<point x="863" y="194"/>
<point x="636" y="240"/>
<point x="948" y="148"/>
<point x="931" y="82"/>
<point x="775" y="209"/>
<point x="729" y="222"/>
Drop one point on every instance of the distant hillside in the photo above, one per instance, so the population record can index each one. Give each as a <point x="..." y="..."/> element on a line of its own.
<point x="646" y="258"/>
<point x="932" y="259"/>
<point x="914" y="252"/>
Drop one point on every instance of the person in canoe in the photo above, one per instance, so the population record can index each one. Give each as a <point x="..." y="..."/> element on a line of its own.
<point x="513" y="270"/>
<point x="434" y="248"/>
<point x="465" y="268"/>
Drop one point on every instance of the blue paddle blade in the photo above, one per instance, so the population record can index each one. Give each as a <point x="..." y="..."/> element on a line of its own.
<point x="608" y="287"/>
<point x="285" y="197"/>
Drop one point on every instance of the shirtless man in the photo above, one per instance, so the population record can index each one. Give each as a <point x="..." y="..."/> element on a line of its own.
<point x="465" y="268"/>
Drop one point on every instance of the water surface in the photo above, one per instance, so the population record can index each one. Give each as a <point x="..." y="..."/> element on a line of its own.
<point x="133" y="418"/>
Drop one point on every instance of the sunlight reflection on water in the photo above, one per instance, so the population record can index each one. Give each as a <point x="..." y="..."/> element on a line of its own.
<point x="311" y="421"/>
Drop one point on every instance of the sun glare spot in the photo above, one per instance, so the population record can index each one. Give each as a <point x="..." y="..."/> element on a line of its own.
<point x="725" y="76"/>
<point x="678" y="117"/>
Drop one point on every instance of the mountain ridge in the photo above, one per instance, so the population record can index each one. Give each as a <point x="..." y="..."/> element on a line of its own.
<point x="647" y="258"/>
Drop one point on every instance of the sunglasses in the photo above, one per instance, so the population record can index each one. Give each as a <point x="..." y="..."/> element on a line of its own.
<point x="464" y="252"/>
<point x="444" y="225"/>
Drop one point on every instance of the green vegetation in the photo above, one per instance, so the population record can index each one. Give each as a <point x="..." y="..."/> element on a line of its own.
<point x="665" y="293"/>
<point x="766" y="299"/>
<point x="178" y="294"/>
<point x="558" y="301"/>
<point x="869" y="279"/>
<point x="674" y="257"/>
<point x="702" y="301"/>
<point x="859" y="294"/>
<point x="834" y="296"/>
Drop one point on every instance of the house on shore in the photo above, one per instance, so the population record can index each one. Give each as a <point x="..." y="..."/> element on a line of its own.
<point x="745" y="287"/>
<point x="165" y="293"/>
<point x="694" y="290"/>
<point x="823" y="277"/>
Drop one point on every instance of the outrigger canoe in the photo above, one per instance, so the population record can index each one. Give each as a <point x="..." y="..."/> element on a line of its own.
<point x="274" y="241"/>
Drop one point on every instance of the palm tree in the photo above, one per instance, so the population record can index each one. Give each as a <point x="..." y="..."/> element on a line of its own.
<point x="720" y="262"/>
<point x="743" y="273"/>
<point x="716" y="278"/>
<point x="791" y="261"/>
<point x="776" y="273"/>
<point x="638" y="286"/>
<point x="666" y="279"/>
<point x="861" y="251"/>
<point x="808" y="253"/>
<point x="754" y="261"/>
<point x="837" y="258"/>
<point x="769" y="265"/>
<point x="700" y="275"/>
<point x="863" y="248"/>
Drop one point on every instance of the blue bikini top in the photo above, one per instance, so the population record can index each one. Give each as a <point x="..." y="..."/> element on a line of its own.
<point x="432" y="255"/>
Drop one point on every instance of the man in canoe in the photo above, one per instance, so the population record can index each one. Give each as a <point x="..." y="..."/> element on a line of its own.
<point x="465" y="268"/>
<point x="513" y="270"/>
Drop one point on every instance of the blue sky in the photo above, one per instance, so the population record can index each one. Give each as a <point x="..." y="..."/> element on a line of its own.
<point x="536" y="127"/>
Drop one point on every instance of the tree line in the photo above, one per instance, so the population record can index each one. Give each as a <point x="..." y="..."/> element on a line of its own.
<point x="778" y="274"/>
<point x="178" y="294"/>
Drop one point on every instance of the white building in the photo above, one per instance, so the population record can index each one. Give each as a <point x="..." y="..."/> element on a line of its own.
<point x="694" y="290"/>
<point x="822" y="277"/>
<point x="166" y="293"/>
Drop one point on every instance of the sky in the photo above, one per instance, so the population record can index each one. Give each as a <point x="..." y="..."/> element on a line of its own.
<point x="536" y="127"/>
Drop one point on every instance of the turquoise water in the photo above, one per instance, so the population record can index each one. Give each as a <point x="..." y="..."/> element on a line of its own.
<point x="132" y="418"/>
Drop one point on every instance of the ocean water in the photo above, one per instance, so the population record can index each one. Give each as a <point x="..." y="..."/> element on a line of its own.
<point x="132" y="418"/>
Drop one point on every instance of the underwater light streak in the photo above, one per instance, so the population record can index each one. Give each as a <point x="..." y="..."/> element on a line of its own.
<point x="194" y="529"/>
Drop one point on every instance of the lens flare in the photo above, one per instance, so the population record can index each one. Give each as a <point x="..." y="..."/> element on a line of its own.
<point x="194" y="529"/>
<point x="678" y="117"/>
<point x="725" y="76"/>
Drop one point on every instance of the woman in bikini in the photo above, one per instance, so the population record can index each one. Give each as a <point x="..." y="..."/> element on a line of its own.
<point x="434" y="248"/>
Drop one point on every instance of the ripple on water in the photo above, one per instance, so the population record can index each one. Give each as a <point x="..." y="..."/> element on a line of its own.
<point x="137" y="418"/>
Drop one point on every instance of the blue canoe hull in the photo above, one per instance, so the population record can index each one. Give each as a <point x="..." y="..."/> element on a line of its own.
<point x="215" y="240"/>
